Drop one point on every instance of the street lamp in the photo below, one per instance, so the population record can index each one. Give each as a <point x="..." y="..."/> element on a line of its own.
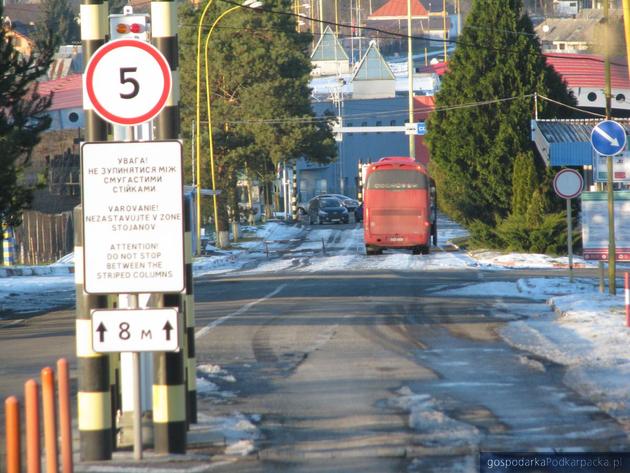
<point x="249" y="4"/>
<point x="198" y="125"/>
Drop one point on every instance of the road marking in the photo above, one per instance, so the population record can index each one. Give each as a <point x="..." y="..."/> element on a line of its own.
<point x="200" y="333"/>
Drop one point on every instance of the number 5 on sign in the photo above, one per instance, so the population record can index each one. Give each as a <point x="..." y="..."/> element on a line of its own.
<point x="127" y="82"/>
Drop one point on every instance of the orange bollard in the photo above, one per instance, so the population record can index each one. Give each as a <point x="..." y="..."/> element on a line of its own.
<point x="50" y="419"/>
<point x="12" y="419"/>
<point x="33" y="447"/>
<point x="65" y="416"/>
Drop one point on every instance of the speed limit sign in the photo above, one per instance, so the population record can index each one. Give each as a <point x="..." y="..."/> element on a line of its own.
<point x="127" y="82"/>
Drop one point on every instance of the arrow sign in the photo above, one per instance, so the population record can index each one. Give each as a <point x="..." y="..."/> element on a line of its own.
<point x="167" y="328"/>
<point x="101" y="332"/>
<point x="608" y="138"/>
<point x="135" y="330"/>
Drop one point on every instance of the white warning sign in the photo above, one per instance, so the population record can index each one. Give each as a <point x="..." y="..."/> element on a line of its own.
<point x="133" y="220"/>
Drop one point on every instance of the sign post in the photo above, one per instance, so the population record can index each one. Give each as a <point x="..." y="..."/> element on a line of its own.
<point x="568" y="184"/>
<point x="608" y="138"/>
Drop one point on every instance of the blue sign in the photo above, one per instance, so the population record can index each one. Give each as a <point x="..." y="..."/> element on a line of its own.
<point x="608" y="138"/>
<point x="422" y="128"/>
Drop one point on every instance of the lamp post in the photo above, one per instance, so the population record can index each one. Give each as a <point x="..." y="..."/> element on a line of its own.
<point x="198" y="125"/>
<point x="249" y="4"/>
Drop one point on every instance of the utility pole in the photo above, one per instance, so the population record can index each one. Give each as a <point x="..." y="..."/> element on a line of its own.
<point x="612" y="248"/>
<point x="412" y="138"/>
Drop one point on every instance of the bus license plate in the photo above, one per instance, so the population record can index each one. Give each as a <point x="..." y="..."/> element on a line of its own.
<point x="396" y="239"/>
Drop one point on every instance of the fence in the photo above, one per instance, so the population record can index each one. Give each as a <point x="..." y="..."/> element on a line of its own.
<point x="43" y="238"/>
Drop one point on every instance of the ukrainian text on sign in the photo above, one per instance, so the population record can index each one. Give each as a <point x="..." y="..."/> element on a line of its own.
<point x="133" y="217"/>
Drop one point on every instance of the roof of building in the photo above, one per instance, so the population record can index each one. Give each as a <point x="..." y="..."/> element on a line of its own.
<point x="397" y="9"/>
<point x="373" y="66"/>
<point x="587" y="70"/>
<point x="567" y="142"/>
<point x="27" y="13"/>
<point x="570" y="30"/>
<point x="328" y="48"/>
<point x="68" y="92"/>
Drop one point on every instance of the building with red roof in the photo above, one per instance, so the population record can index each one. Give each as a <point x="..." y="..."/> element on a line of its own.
<point x="585" y="76"/>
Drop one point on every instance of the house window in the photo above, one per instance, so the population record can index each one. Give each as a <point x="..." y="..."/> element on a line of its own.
<point x="561" y="46"/>
<point x="592" y="96"/>
<point x="364" y="124"/>
<point x="620" y="98"/>
<point x="73" y="117"/>
<point x="392" y="123"/>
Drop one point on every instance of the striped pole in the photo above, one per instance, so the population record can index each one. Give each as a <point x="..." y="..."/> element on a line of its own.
<point x="94" y="28"/>
<point x="189" y="310"/>
<point x="93" y="397"/>
<point x="164" y="37"/>
<point x="8" y="246"/>
<point x="169" y="390"/>
<point x="360" y="183"/>
<point x="294" y="194"/>
<point x="626" y="280"/>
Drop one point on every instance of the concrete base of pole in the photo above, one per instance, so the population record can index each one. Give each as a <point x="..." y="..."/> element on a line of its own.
<point x="235" y="231"/>
<point x="124" y="427"/>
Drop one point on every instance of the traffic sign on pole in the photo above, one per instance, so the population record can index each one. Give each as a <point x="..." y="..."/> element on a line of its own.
<point x="129" y="330"/>
<point x="608" y="138"/>
<point x="568" y="183"/>
<point x="127" y="82"/>
<point x="133" y="219"/>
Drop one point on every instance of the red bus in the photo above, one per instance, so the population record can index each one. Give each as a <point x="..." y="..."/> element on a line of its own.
<point x="398" y="207"/>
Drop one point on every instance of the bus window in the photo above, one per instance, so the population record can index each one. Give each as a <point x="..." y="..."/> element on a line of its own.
<point x="396" y="180"/>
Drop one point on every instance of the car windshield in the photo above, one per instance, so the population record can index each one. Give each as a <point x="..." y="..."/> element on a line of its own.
<point x="330" y="203"/>
<point x="397" y="180"/>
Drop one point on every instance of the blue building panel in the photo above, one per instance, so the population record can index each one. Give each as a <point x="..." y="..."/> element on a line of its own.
<point x="571" y="154"/>
<point x="341" y="176"/>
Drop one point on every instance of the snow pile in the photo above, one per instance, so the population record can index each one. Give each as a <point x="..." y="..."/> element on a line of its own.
<point x="433" y="427"/>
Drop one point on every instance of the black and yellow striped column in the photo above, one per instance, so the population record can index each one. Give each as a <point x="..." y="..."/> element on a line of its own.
<point x="169" y="389"/>
<point x="94" y="29"/>
<point x="360" y="183"/>
<point x="164" y="37"/>
<point x="294" y="194"/>
<point x="93" y="397"/>
<point x="189" y="313"/>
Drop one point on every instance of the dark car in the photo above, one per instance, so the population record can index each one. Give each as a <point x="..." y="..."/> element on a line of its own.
<point x="327" y="209"/>
<point x="348" y="202"/>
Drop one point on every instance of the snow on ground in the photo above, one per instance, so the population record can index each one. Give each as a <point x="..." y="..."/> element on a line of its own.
<point x="585" y="331"/>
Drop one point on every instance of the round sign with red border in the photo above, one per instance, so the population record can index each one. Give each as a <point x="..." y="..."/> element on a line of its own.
<point x="127" y="82"/>
<point x="568" y="183"/>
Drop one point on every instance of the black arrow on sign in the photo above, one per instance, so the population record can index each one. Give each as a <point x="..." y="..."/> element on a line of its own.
<point x="101" y="331"/>
<point x="167" y="328"/>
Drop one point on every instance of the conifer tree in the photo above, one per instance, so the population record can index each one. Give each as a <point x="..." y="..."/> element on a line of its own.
<point x="484" y="108"/>
<point x="60" y="22"/>
<point x="524" y="181"/>
<point x="22" y="119"/>
<point x="260" y="99"/>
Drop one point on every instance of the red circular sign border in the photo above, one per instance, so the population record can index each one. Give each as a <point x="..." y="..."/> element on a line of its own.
<point x="164" y="67"/>
<point x="572" y="171"/>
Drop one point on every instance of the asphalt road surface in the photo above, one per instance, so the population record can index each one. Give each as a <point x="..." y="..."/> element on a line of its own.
<point x="372" y="371"/>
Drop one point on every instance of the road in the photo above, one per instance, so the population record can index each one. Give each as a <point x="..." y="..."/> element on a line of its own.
<point x="371" y="371"/>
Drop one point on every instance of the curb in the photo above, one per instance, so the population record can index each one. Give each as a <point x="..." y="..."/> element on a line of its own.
<point x="6" y="272"/>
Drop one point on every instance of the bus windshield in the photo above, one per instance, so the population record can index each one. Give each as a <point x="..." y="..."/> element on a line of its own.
<point x="397" y="180"/>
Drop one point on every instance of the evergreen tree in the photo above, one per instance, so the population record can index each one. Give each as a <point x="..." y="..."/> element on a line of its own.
<point x="22" y="119"/>
<point x="524" y="182"/>
<point x="260" y="100"/>
<point x="484" y="106"/>
<point x="60" y="21"/>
